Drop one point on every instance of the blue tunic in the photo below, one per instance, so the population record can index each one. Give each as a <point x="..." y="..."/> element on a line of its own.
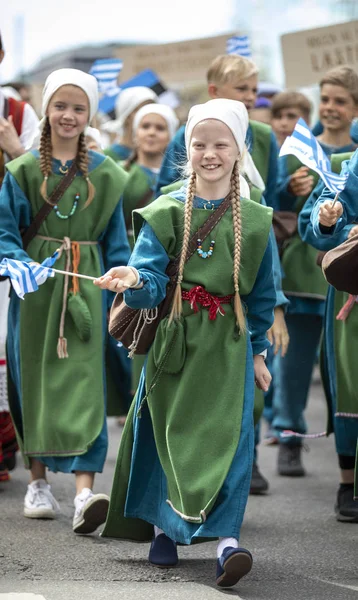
<point x="298" y="305"/>
<point x="115" y="252"/>
<point x="146" y="497"/>
<point x="346" y="429"/>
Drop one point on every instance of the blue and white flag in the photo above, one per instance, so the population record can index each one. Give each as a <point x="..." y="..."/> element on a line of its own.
<point x="26" y="278"/>
<point x="307" y="149"/>
<point x="106" y="71"/>
<point x="239" y="44"/>
<point x="146" y="78"/>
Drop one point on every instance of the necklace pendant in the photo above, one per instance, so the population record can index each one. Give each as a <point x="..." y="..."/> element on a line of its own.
<point x="209" y="205"/>
<point x="72" y="211"/>
<point x="201" y="252"/>
<point x="63" y="169"/>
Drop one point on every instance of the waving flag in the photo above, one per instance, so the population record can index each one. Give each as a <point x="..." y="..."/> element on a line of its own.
<point x="146" y="78"/>
<point x="239" y="44"/>
<point x="305" y="147"/>
<point x="26" y="278"/>
<point x="106" y="71"/>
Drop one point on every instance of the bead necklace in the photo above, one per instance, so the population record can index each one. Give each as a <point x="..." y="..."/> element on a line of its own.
<point x="200" y="251"/>
<point x="72" y="211"/>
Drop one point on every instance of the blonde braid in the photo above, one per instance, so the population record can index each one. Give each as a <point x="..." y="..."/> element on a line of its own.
<point x="236" y="217"/>
<point x="177" y="307"/>
<point x="82" y="160"/>
<point x="45" y="157"/>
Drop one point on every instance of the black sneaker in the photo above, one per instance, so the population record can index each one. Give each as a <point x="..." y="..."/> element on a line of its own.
<point x="259" y="485"/>
<point x="289" y="461"/>
<point x="346" y="508"/>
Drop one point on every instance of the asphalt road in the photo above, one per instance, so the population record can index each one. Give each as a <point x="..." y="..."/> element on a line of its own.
<point x="300" y="551"/>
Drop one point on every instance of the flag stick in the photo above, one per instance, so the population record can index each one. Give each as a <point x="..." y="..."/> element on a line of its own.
<point x="72" y="274"/>
<point x="335" y="199"/>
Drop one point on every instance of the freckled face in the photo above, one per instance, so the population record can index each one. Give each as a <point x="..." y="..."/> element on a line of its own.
<point x="213" y="151"/>
<point x="68" y="112"/>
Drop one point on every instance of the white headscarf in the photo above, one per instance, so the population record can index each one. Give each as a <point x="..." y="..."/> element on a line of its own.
<point x="128" y="100"/>
<point x="157" y="109"/>
<point x="55" y="81"/>
<point x="95" y="135"/>
<point x="83" y="80"/>
<point x="234" y="114"/>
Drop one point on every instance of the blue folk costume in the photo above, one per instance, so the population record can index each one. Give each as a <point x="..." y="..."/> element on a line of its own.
<point x="58" y="406"/>
<point x="151" y="486"/>
<point x="338" y="361"/>
<point x="306" y="288"/>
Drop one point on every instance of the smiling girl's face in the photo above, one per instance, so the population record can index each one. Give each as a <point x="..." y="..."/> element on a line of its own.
<point x="213" y="151"/>
<point x="68" y="112"/>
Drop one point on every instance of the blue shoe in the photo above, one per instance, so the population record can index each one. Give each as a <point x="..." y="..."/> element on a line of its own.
<point x="233" y="564"/>
<point x="163" y="552"/>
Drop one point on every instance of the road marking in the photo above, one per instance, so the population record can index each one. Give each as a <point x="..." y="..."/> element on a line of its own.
<point x="343" y="585"/>
<point x="14" y="596"/>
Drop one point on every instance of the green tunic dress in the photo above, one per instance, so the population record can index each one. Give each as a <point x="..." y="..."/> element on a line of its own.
<point x="58" y="404"/>
<point x="184" y="430"/>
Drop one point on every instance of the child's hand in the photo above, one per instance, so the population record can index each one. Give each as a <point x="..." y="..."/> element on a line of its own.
<point x="329" y="214"/>
<point x="9" y="140"/>
<point x="262" y="374"/>
<point x="278" y="334"/>
<point x="353" y="231"/>
<point x="301" y="183"/>
<point x="118" y="279"/>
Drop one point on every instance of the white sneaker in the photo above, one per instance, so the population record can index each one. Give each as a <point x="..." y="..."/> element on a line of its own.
<point x="90" y="511"/>
<point x="39" y="503"/>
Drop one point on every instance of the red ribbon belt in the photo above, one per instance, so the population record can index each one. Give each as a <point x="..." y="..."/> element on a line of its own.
<point x="199" y="295"/>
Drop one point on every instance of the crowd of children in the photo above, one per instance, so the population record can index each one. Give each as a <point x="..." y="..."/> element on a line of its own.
<point x="255" y="309"/>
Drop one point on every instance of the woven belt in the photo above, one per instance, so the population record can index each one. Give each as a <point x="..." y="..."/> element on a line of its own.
<point x="68" y="247"/>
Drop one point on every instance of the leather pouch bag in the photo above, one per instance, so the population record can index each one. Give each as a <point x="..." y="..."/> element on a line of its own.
<point x="340" y="266"/>
<point x="136" y="329"/>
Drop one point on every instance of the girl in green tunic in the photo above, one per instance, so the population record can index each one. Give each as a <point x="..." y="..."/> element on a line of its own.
<point x="57" y="340"/>
<point x="185" y="459"/>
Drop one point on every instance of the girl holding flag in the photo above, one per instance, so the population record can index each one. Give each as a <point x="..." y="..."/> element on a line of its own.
<point x="57" y="339"/>
<point x="168" y="473"/>
<point x="303" y="281"/>
<point x="325" y="223"/>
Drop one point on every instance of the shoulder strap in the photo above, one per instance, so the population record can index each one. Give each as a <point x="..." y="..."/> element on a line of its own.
<point x="46" y="208"/>
<point x="202" y="233"/>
